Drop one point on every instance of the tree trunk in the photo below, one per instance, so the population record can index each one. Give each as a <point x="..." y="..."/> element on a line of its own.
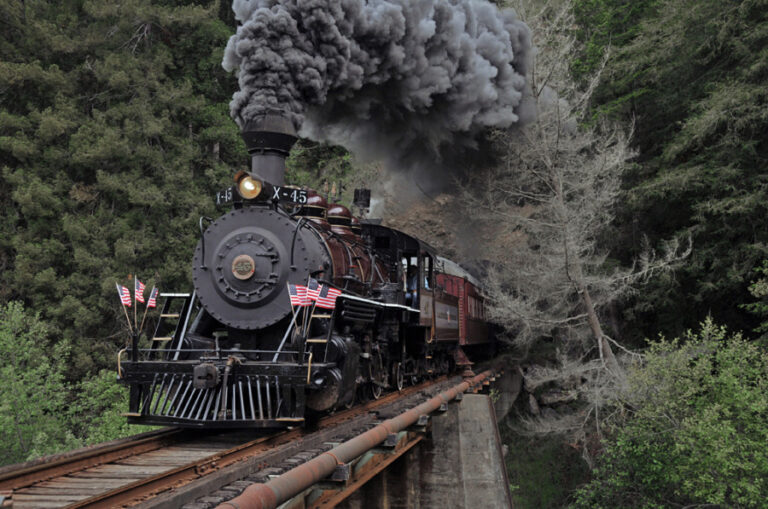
<point x="576" y="276"/>
<point x="17" y="428"/>
<point x="605" y="347"/>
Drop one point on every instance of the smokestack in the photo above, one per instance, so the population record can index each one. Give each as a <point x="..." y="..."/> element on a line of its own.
<point x="269" y="139"/>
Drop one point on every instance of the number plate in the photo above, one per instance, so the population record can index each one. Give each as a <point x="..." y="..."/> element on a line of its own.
<point x="289" y="194"/>
<point x="225" y="196"/>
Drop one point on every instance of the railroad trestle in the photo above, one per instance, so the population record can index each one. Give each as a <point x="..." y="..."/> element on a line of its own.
<point x="174" y="467"/>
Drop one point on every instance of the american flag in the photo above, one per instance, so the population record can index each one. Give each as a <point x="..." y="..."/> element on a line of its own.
<point x="125" y="295"/>
<point x="327" y="297"/>
<point x="313" y="289"/>
<point x="138" y="289"/>
<point x="298" y="294"/>
<point x="152" y="298"/>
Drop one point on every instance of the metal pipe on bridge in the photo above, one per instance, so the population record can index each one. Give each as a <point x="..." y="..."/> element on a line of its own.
<point x="281" y="489"/>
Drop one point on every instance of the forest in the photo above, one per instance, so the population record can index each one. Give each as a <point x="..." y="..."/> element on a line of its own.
<point x="624" y="229"/>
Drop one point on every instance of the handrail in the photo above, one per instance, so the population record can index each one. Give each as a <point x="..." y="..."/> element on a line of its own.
<point x="119" y="367"/>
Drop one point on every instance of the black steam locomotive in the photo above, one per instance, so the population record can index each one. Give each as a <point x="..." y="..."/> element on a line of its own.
<point x="236" y="353"/>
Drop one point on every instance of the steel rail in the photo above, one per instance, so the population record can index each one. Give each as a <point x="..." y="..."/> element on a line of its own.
<point x="185" y="474"/>
<point x="286" y="486"/>
<point x="26" y="474"/>
<point x="29" y="474"/>
<point x="175" y="477"/>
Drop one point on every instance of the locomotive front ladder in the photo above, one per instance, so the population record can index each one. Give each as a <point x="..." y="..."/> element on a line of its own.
<point x="172" y="325"/>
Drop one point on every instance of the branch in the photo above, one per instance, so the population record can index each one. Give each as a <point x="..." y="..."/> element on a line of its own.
<point x="630" y="352"/>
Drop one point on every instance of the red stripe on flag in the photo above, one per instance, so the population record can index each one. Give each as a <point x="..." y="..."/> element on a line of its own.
<point x="313" y="289"/>
<point x="138" y="289"/>
<point x="327" y="298"/>
<point x="298" y="295"/>
<point x="125" y="295"/>
<point x="152" y="298"/>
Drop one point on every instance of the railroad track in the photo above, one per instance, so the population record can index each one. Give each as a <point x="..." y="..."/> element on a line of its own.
<point x="128" y="472"/>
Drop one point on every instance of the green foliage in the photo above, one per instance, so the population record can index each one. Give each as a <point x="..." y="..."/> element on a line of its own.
<point x="96" y="411"/>
<point x="32" y="393"/>
<point x="602" y="24"/>
<point x="759" y="290"/>
<point x="313" y="164"/>
<point x="692" y="76"/>
<point x="542" y="471"/>
<point x="114" y="135"/>
<point x="695" y="429"/>
<point x="324" y="167"/>
<point x="40" y="413"/>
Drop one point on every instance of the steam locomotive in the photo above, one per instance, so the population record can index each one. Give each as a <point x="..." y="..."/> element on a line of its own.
<point x="236" y="353"/>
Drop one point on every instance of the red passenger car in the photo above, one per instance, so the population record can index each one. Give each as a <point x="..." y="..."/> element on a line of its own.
<point x="473" y="328"/>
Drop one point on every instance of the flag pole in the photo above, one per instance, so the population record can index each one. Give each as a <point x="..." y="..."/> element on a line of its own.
<point x="306" y="314"/>
<point x="285" y="336"/>
<point x="136" y="331"/>
<point x="290" y="326"/>
<point x="127" y="319"/>
<point x="302" y="340"/>
<point x="135" y="324"/>
<point x="304" y="320"/>
<point x="146" y="308"/>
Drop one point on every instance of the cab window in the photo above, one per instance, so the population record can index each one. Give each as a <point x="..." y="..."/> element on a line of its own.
<point x="427" y="273"/>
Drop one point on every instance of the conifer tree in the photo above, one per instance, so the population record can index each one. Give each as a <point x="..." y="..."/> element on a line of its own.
<point x="114" y="134"/>
<point x="692" y="75"/>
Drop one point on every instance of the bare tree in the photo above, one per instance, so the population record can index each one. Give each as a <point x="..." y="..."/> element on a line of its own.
<point x="553" y="197"/>
<point x="555" y="193"/>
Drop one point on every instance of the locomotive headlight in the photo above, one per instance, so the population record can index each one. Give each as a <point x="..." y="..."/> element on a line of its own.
<point x="249" y="187"/>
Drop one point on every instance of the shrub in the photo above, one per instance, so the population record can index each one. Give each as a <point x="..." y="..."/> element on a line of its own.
<point x="33" y="392"/>
<point x="695" y="431"/>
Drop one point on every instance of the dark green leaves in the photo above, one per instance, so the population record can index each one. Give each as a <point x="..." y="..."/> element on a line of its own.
<point x="114" y="133"/>
<point x="692" y="76"/>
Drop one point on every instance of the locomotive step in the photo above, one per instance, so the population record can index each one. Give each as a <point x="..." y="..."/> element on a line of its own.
<point x="317" y="340"/>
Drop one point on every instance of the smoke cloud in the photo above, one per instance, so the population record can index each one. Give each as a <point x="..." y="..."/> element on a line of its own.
<point x="409" y="82"/>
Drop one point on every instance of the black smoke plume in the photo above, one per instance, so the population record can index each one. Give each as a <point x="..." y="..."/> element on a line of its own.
<point x="407" y="81"/>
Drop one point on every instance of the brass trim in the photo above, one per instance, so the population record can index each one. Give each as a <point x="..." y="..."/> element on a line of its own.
<point x="119" y="368"/>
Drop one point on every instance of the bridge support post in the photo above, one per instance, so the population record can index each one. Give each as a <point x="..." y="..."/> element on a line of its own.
<point x="459" y="465"/>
